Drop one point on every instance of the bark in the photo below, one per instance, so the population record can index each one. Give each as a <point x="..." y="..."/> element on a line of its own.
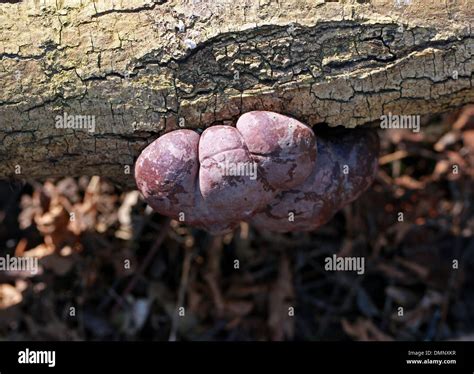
<point x="141" y="68"/>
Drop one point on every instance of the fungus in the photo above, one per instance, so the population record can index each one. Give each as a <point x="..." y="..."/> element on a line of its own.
<point x="266" y="169"/>
<point x="284" y="148"/>
<point x="346" y="166"/>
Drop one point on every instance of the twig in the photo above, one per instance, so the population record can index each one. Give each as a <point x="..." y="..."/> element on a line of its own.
<point x="146" y="262"/>
<point x="395" y="156"/>
<point x="213" y="273"/>
<point x="183" y="287"/>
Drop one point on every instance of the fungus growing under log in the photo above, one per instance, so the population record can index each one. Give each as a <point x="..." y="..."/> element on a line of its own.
<point x="270" y="169"/>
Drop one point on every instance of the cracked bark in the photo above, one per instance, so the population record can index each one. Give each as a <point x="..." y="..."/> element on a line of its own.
<point x="141" y="72"/>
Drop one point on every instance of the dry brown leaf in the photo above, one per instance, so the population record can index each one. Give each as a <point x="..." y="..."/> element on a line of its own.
<point x="9" y="296"/>
<point x="84" y="218"/>
<point x="56" y="218"/>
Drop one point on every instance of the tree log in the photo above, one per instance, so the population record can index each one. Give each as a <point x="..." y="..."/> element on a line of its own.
<point x="138" y="68"/>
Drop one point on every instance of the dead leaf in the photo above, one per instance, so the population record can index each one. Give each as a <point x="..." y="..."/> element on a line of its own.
<point x="9" y="296"/>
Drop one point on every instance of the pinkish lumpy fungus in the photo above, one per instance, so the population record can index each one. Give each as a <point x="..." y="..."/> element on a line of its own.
<point x="270" y="170"/>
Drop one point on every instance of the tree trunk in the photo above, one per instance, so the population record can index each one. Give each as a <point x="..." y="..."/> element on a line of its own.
<point x="121" y="73"/>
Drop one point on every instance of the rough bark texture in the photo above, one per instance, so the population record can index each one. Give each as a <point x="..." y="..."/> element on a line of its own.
<point x="146" y="67"/>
